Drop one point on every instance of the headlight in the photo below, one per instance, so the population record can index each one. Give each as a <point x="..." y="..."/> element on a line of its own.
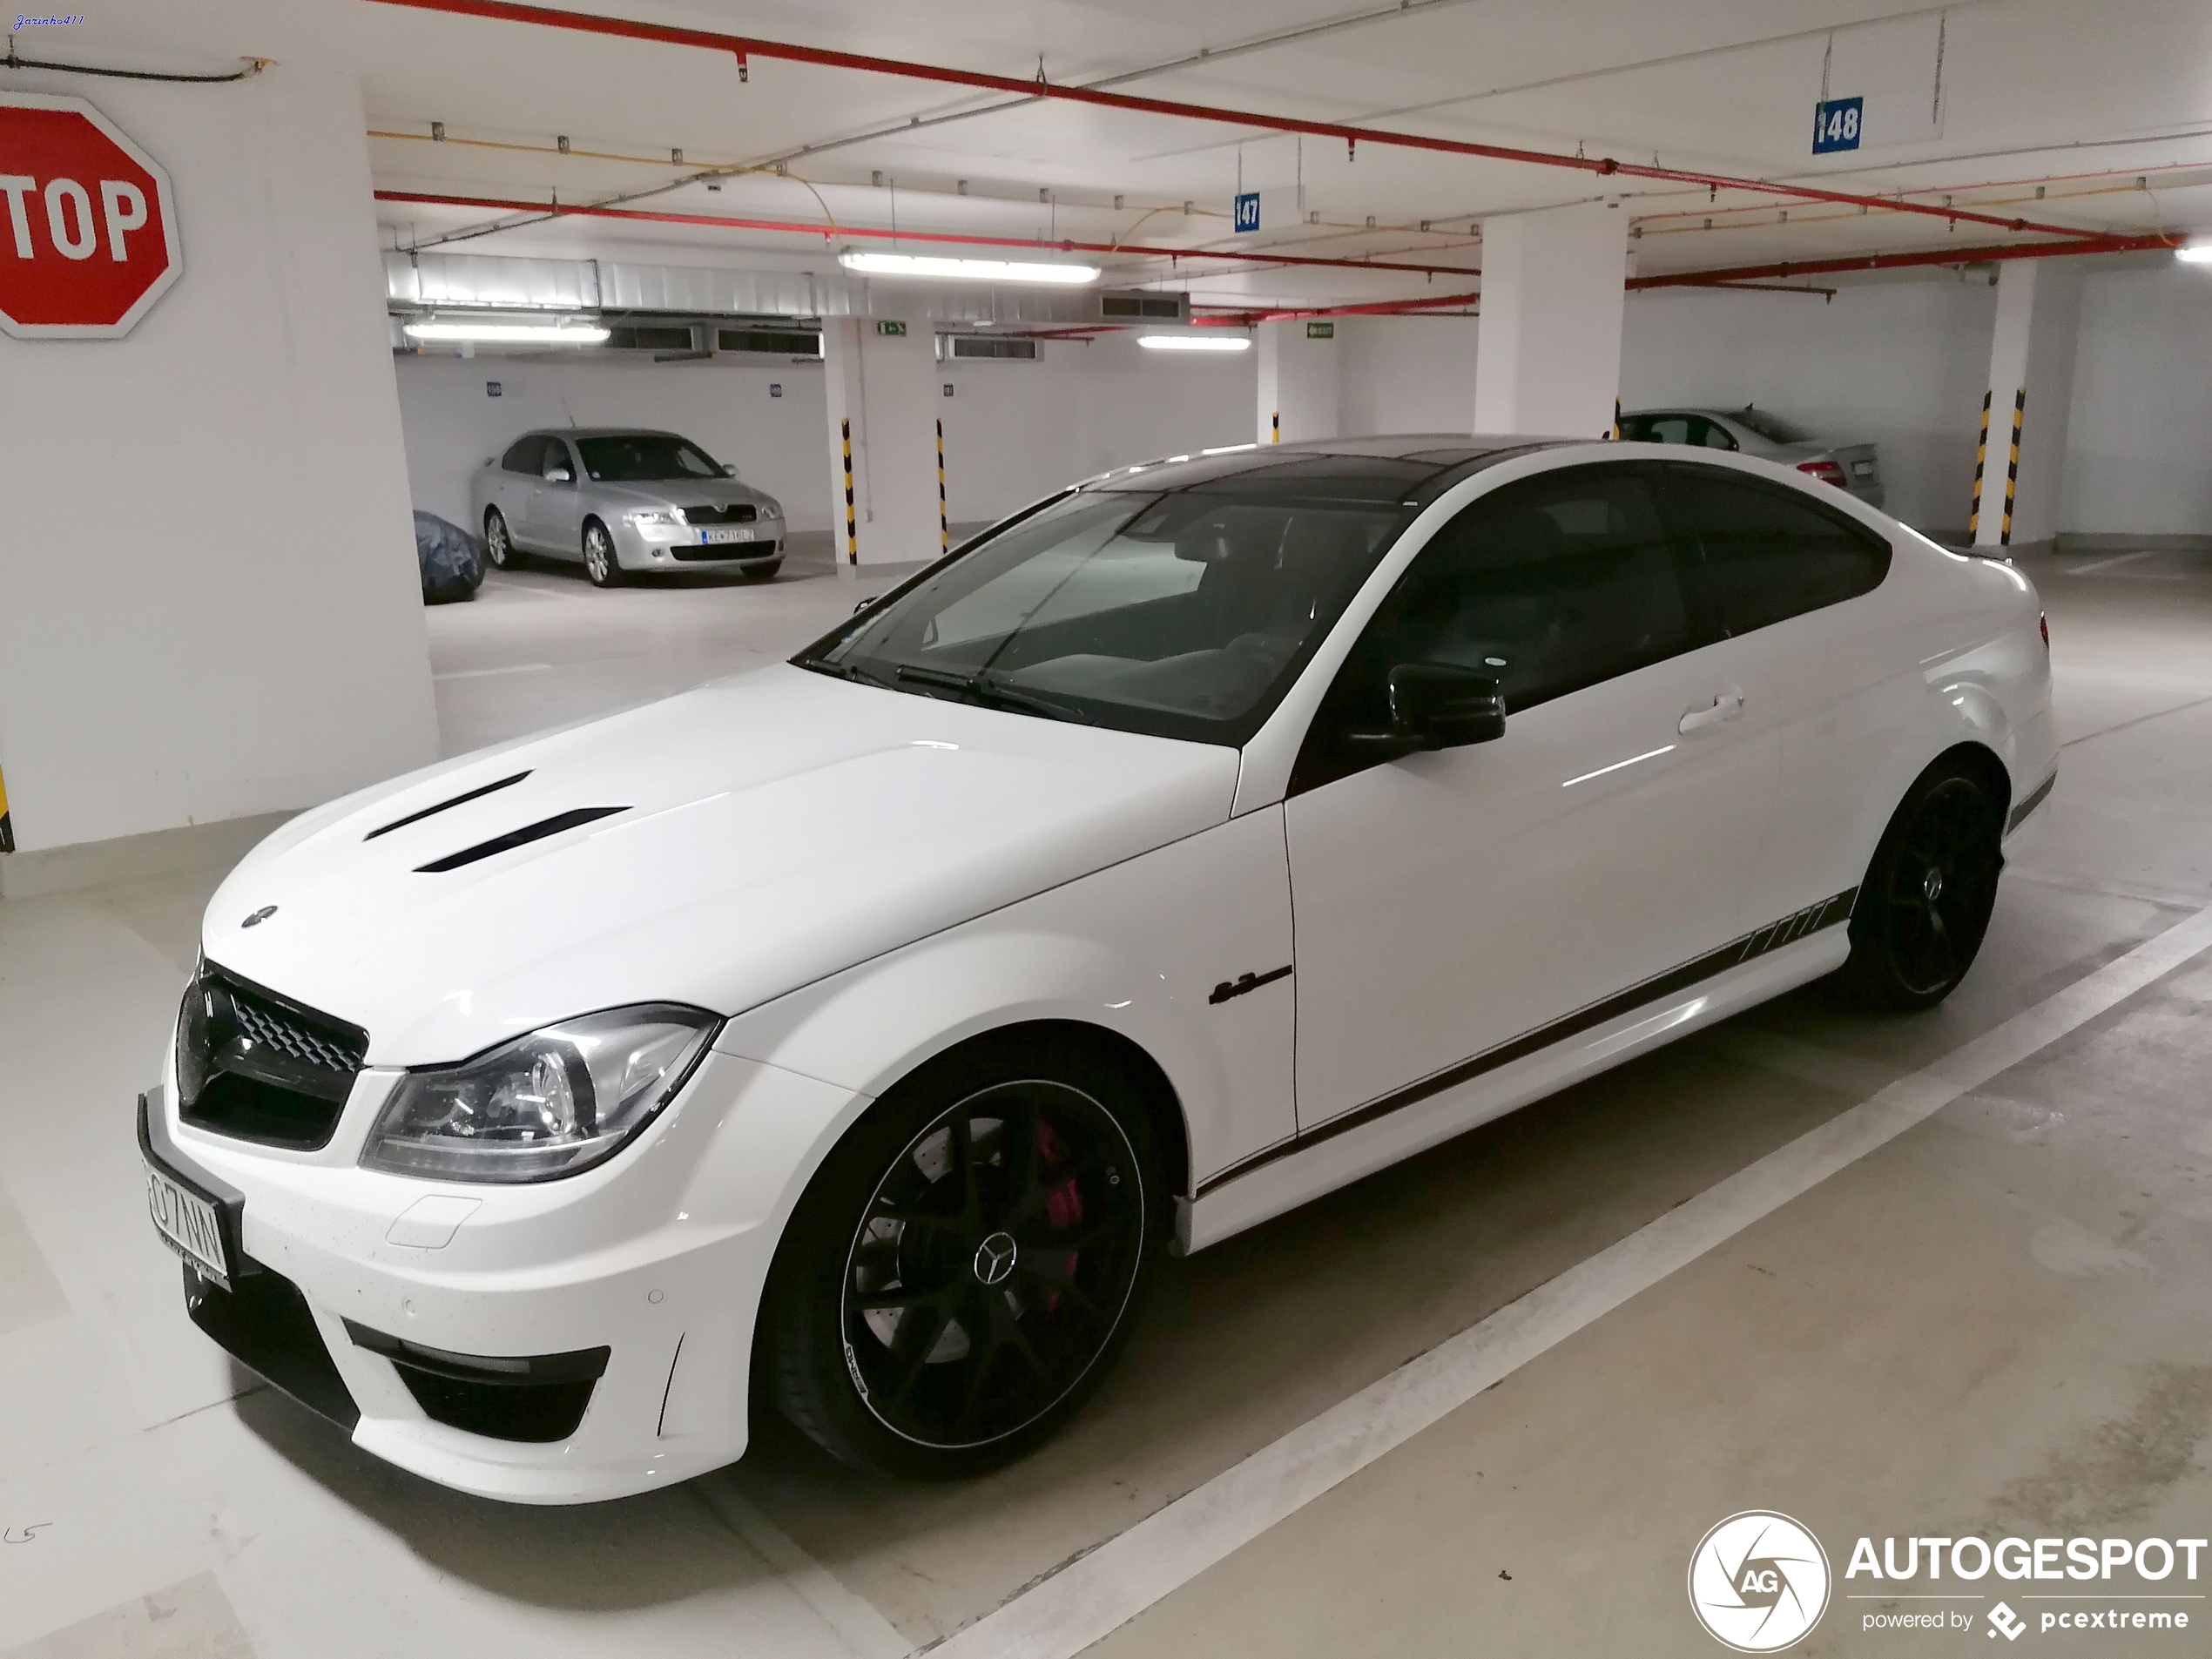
<point x="656" y="516"/>
<point x="545" y="1105"/>
<point x="769" y="510"/>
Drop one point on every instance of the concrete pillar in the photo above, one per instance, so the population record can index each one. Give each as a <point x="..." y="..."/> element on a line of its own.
<point x="1552" y="288"/>
<point x="212" y="610"/>
<point x="2031" y="387"/>
<point x="1298" y="382"/>
<point x="882" y="394"/>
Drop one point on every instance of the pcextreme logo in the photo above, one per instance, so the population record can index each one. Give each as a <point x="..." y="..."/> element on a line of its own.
<point x="1758" y="1581"/>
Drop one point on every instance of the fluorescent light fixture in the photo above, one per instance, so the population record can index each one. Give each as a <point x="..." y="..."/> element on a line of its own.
<point x="1223" y="341"/>
<point x="2194" y="254"/>
<point x="931" y="265"/>
<point x="510" y="334"/>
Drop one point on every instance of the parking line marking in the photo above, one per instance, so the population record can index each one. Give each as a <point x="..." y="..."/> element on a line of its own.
<point x="481" y="673"/>
<point x="1097" y="1593"/>
<point x="866" y="1632"/>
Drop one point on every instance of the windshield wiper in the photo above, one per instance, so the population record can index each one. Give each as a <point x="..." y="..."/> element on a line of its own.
<point x="852" y="672"/>
<point x="988" y="693"/>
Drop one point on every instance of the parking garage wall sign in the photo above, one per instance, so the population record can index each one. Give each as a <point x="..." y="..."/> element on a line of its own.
<point x="1248" y="211"/>
<point x="88" y="228"/>
<point x="1836" y="125"/>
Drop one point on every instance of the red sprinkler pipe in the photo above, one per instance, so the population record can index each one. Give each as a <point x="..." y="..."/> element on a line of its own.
<point x="565" y="209"/>
<point x="1898" y="262"/>
<point x="745" y="46"/>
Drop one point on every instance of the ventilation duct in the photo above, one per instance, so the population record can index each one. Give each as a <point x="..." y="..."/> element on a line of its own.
<point x="985" y="348"/>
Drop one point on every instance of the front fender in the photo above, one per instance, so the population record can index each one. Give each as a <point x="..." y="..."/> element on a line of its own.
<point x="1138" y="949"/>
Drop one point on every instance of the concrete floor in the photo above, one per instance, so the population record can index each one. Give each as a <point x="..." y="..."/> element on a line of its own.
<point x="1989" y="1313"/>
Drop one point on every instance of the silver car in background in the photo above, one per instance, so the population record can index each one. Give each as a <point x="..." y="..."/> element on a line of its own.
<point x="1852" y="466"/>
<point x="623" y="500"/>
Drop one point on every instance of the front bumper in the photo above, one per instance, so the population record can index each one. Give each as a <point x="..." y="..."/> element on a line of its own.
<point x="563" y="1342"/>
<point x="676" y="546"/>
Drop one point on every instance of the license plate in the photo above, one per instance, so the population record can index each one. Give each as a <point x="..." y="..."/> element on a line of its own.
<point x="189" y="1224"/>
<point x="715" y="538"/>
<point x="1863" y="468"/>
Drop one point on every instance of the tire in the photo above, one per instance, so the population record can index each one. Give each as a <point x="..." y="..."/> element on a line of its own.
<point x="600" y="564"/>
<point x="499" y="545"/>
<point x="1920" y="916"/>
<point x="1020" y="1262"/>
<point x="763" y="572"/>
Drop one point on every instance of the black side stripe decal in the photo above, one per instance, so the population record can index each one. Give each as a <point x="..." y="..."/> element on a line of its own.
<point x="432" y="812"/>
<point x="1245" y="982"/>
<point x="513" y="838"/>
<point x="1812" y="920"/>
<point x="2021" y="811"/>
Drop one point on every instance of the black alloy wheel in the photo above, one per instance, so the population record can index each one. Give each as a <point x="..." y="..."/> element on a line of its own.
<point x="986" y="1264"/>
<point x="1920" y="919"/>
<point x="499" y="547"/>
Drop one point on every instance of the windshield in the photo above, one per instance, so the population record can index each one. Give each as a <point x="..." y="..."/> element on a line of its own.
<point x="1772" y="427"/>
<point x="643" y="456"/>
<point x="1185" y="615"/>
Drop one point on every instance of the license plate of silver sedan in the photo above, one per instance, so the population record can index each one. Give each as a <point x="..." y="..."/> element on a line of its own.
<point x="915" y="1133"/>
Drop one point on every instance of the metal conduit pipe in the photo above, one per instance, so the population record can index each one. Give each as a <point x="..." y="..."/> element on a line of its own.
<point x="743" y="47"/>
<point x="564" y="210"/>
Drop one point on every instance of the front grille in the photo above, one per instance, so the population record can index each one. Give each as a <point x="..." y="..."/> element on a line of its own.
<point x="743" y="512"/>
<point x="266" y="1326"/>
<point x="259" y="1067"/>
<point x="721" y="552"/>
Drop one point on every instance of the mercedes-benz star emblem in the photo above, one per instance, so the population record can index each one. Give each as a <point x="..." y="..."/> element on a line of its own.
<point x="1932" y="885"/>
<point x="259" y="916"/>
<point x="994" y="1259"/>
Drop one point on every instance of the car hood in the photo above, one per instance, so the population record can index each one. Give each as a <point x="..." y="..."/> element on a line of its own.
<point x="773" y="828"/>
<point x="716" y="492"/>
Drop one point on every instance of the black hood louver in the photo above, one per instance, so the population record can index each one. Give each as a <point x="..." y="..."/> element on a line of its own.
<point x="443" y="805"/>
<point x="513" y="838"/>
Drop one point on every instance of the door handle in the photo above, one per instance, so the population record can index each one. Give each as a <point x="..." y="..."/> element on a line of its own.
<point x="1726" y="706"/>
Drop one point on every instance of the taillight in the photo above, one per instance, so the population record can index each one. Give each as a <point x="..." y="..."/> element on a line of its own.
<point x="2043" y="622"/>
<point x="1827" y="471"/>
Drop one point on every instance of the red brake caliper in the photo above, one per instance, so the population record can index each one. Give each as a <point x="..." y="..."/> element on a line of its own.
<point x="1064" y="1205"/>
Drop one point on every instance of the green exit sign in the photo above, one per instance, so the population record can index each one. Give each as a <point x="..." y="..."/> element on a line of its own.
<point x="891" y="328"/>
<point x="1320" y="331"/>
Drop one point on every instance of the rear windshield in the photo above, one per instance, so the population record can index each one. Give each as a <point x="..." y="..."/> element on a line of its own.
<point x="1186" y="614"/>
<point x="644" y="457"/>
<point x="1772" y="427"/>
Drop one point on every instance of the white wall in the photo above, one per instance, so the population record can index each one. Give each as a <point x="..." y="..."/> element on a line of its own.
<point x="211" y="604"/>
<point x="1013" y="431"/>
<point x="1899" y="364"/>
<point x="2139" y="440"/>
<point x="1016" y="431"/>
<point x="775" y="442"/>
<point x="1406" y="374"/>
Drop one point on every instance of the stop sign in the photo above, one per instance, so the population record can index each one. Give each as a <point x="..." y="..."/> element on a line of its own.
<point x="88" y="235"/>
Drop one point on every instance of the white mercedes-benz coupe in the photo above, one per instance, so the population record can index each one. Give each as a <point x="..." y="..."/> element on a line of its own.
<point x="852" y="1037"/>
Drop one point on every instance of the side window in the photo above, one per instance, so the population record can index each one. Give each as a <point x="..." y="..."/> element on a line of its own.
<point x="523" y="455"/>
<point x="1757" y="554"/>
<point x="1710" y="434"/>
<point x="1666" y="428"/>
<point x="1549" y="585"/>
<point x="557" y="459"/>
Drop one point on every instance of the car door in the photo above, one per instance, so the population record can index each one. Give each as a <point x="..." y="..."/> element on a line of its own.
<point x="511" y="483"/>
<point x="557" y="518"/>
<point x="1788" y="580"/>
<point x="1449" y="904"/>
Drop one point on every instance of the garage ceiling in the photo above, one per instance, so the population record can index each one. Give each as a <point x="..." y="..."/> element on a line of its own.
<point x="2108" y="111"/>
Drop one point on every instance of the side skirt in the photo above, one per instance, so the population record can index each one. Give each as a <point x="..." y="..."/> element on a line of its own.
<point x="1357" y="1142"/>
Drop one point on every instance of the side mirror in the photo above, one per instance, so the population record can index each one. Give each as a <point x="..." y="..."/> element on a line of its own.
<point x="728" y="470"/>
<point x="1436" y="706"/>
<point x="557" y="475"/>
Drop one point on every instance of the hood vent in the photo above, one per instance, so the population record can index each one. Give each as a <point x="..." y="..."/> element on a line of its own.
<point x="430" y="811"/>
<point x="513" y="838"/>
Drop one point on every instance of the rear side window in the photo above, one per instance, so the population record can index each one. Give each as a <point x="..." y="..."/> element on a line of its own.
<point x="523" y="455"/>
<point x="1548" y="585"/>
<point x="1756" y="554"/>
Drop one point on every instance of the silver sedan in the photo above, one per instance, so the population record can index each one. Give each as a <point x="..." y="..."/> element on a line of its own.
<point x="622" y="500"/>
<point x="1852" y="466"/>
